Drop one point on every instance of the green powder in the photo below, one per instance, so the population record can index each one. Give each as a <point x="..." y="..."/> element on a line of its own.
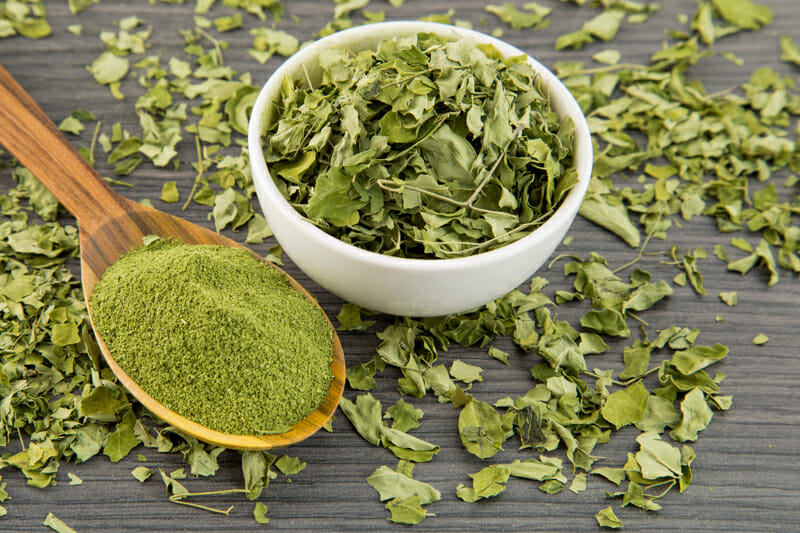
<point x="215" y="335"/>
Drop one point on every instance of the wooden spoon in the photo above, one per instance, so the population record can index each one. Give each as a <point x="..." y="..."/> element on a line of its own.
<point x="110" y="225"/>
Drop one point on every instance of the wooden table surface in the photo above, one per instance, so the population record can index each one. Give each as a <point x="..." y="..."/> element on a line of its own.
<point x="747" y="471"/>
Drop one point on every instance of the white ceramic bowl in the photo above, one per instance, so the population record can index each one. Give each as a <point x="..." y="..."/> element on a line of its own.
<point x="401" y="286"/>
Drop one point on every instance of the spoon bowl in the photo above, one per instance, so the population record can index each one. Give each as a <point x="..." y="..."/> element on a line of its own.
<point x="110" y="225"/>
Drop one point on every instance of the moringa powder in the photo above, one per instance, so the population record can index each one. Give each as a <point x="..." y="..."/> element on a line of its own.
<point x="215" y="335"/>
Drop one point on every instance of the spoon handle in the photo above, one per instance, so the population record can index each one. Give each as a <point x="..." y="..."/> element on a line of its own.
<point x="36" y="142"/>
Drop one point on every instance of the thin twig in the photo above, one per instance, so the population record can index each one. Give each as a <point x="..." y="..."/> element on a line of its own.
<point x="200" y="170"/>
<point x="178" y="498"/>
<point x="641" y="320"/>
<point x="385" y="184"/>
<point x="641" y="249"/>
<point x="308" y="78"/>
<point x="94" y="141"/>
<point x="563" y="256"/>
<point x="214" y="41"/>
<point x="600" y="70"/>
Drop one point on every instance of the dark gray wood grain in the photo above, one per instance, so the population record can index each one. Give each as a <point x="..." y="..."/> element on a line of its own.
<point x="747" y="472"/>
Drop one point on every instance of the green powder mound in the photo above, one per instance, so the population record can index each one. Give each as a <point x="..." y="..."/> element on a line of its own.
<point x="215" y="335"/>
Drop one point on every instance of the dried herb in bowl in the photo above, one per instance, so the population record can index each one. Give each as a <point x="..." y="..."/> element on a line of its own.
<point x="424" y="147"/>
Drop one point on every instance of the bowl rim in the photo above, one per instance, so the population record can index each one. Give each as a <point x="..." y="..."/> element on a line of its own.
<point x="563" y="215"/>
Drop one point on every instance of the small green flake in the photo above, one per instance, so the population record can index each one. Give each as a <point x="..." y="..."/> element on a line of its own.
<point x="760" y="339"/>
<point x="142" y="473"/>
<point x="730" y="298"/>
<point x="260" y="513"/>
<point x="790" y="52"/>
<point x="73" y="479"/>
<point x="626" y="406"/>
<point x="71" y="125"/>
<point x="578" y="484"/>
<point x="532" y="15"/>
<point x="744" y="14"/>
<point x="461" y="371"/>
<point x="169" y="192"/>
<point x="76" y="6"/>
<point x="109" y="68"/>
<point x="500" y="355"/>
<point x="487" y="483"/>
<point x="608" y="57"/>
<point x="289" y="465"/>
<point x="406" y="495"/>
<point x="552" y="486"/>
<point x="228" y="22"/>
<point x="56" y="524"/>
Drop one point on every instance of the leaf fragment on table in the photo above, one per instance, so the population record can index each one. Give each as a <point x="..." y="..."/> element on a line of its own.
<point x="28" y="19"/>
<point x="108" y="68"/>
<point x="123" y="439"/>
<point x="486" y="483"/>
<point x="228" y="22"/>
<point x="627" y="406"/>
<point x="760" y="256"/>
<point x="608" y="57"/>
<point x="392" y="484"/>
<point x="169" y="192"/>
<point x="696" y="415"/>
<point x="406" y="495"/>
<point x="790" y="52"/>
<point x="500" y="355"/>
<point x="405" y="417"/>
<point x="257" y="230"/>
<point x="257" y="472"/>
<point x="656" y="458"/>
<point x="56" y="524"/>
<point x="578" y="484"/>
<point x="407" y="510"/>
<point x="481" y="429"/>
<point x="142" y="473"/>
<point x="350" y="318"/>
<point x="465" y="372"/>
<point x="365" y="415"/>
<point x="532" y="14"/>
<point x="603" y="26"/>
<point x="611" y="217"/>
<point x="289" y="466"/>
<point x="71" y="125"/>
<point x="269" y="41"/>
<point x="744" y="13"/>
<point x="730" y="298"/>
<point x="614" y="475"/>
<point x="260" y="513"/>
<point x="607" y="518"/>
